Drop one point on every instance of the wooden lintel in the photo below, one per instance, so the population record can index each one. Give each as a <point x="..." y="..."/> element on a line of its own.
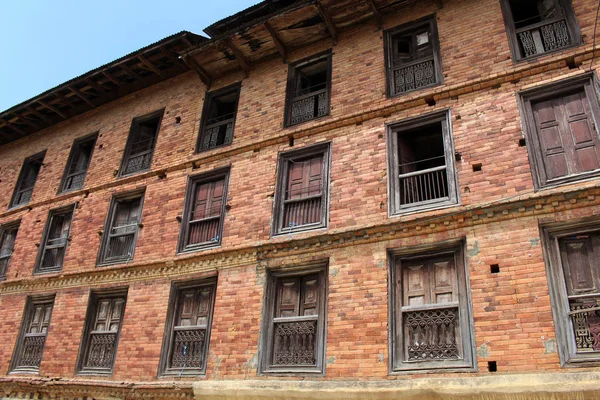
<point x="148" y="64"/>
<point x="81" y="96"/>
<point x="41" y="116"/>
<point x="14" y="127"/>
<point x="277" y="40"/>
<point x="111" y="78"/>
<point x="204" y="77"/>
<point x="242" y="62"/>
<point x="376" y="13"/>
<point x="23" y="118"/>
<point x="328" y="22"/>
<point x="53" y="109"/>
<point x="131" y="72"/>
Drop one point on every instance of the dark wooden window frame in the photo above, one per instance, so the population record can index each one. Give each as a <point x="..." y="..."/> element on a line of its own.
<point x="269" y="304"/>
<point x="43" y="244"/>
<point x="208" y="98"/>
<point x="27" y="316"/>
<point x="407" y="28"/>
<point x="468" y="362"/>
<point x="134" y="123"/>
<point x="292" y="74"/>
<point x="550" y="234"/>
<point x="101" y="261"/>
<point x="395" y="207"/>
<point x="193" y="182"/>
<point x="525" y="98"/>
<point x="75" y="148"/>
<point x="94" y="299"/>
<point x="36" y="158"/>
<point x="167" y="346"/>
<point x="284" y="160"/>
<point x="572" y="26"/>
<point x="4" y="228"/>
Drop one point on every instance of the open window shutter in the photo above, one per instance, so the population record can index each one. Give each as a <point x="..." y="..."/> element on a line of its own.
<point x="443" y="281"/>
<point x="288" y="298"/>
<point x="547" y="119"/>
<point x="295" y="180"/>
<point x="314" y="176"/>
<point x="577" y="262"/>
<point x="205" y="219"/>
<point x="416" y="284"/>
<point x="581" y="133"/>
<point x="310" y="295"/>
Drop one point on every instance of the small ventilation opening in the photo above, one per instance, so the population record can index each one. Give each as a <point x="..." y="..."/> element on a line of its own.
<point x="492" y="366"/>
<point x="291" y="140"/>
<point x="477" y="167"/>
<point x="522" y="142"/>
<point x="495" y="268"/>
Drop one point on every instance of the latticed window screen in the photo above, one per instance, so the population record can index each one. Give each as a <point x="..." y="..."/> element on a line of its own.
<point x="140" y="144"/>
<point x="27" y="178"/>
<point x="30" y="348"/>
<point x="121" y="234"/>
<point x="8" y="234"/>
<point x="52" y="251"/>
<point x="304" y="192"/>
<point x="218" y="118"/>
<point x="77" y="166"/>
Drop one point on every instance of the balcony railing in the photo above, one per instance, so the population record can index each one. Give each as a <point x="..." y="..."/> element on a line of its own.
<point x="121" y="241"/>
<point x="31" y="353"/>
<point x="301" y="211"/>
<point x="23" y="196"/>
<point x="53" y="254"/>
<point x="138" y="162"/>
<point x="430" y="334"/>
<point x="101" y="350"/>
<point x="585" y="315"/>
<point x="423" y="186"/>
<point x="414" y="75"/>
<point x="295" y="341"/>
<point x="218" y="131"/>
<point x="74" y="181"/>
<point x="188" y="347"/>
<point x="204" y="230"/>
<point x="309" y="106"/>
<point x="543" y="37"/>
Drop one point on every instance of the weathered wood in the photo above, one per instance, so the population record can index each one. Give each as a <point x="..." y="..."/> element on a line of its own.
<point x="131" y="72"/>
<point x="241" y="60"/>
<point x="111" y="78"/>
<point x="376" y="13"/>
<point x="23" y="118"/>
<point x="96" y="86"/>
<point x="81" y="96"/>
<point x="277" y="40"/>
<point x="53" y="109"/>
<point x="328" y="22"/>
<point x="173" y="59"/>
<point x="32" y="110"/>
<point x="14" y="127"/>
<point x="204" y="76"/>
<point x="148" y="64"/>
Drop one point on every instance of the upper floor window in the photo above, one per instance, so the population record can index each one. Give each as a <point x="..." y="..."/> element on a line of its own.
<point x="301" y="198"/>
<point x="562" y="137"/>
<point x="8" y="234"/>
<point x="55" y="240"/>
<point x="140" y="143"/>
<point x="27" y="177"/>
<point x="218" y="117"/>
<point x="28" y="353"/>
<point x="413" y="57"/>
<point x="308" y="89"/>
<point x="121" y="229"/>
<point x="421" y="164"/>
<point x="202" y="222"/>
<point x="78" y="163"/>
<point x="539" y="26"/>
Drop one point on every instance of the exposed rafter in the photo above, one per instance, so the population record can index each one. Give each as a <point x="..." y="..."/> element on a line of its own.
<point x="241" y="60"/>
<point x="96" y="86"/>
<point x="14" y="128"/>
<point x="204" y="77"/>
<point x="149" y="65"/>
<point x="110" y="77"/>
<point x="53" y="109"/>
<point x="41" y="116"/>
<point x="277" y="41"/>
<point x="376" y="13"/>
<point x="28" y="122"/>
<point x="328" y="22"/>
<point x="81" y="96"/>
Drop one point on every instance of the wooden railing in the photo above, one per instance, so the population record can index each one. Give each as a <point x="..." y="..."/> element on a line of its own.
<point x="218" y="131"/>
<point x="101" y="351"/>
<point x="74" y="181"/>
<point x="31" y="353"/>
<point x="543" y="37"/>
<point x="309" y="106"/>
<point x="294" y="341"/>
<point x="414" y="75"/>
<point x="204" y="230"/>
<point x="121" y="241"/>
<point x="188" y="347"/>
<point x="301" y="211"/>
<point x="426" y="185"/>
<point x="138" y="162"/>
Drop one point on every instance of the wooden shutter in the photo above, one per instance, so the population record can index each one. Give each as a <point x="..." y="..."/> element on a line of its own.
<point x="31" y="346"/>
<point x="141" y="145"/>
<point x="303" y="200"/>
<point x="204" y="223"/>
<point x="53" y="251"/>
<point x="121" y="240"/>
<point x="102" y="340"/>
<point x="7" y="245"/>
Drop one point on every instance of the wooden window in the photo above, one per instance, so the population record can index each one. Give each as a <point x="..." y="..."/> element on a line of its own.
<point x="218" y="118"/>
<point x="413" y="57"/>
<point x="32" y="337"/>
<point x="562" y="137"/>
<point x="55" y="241"/>
<point x="101" y="336"/>
<point x="539" y="27"/>
<point x="78" y="163"/>
<point x="421" y="164"/>
<point x="431" y="310"/>
<point x="204" y="211"/>
<point x="308" y="89"/>
<point x="294" y="321"/>
<point x="301" y="201"/>
<point x="27" y="178"/>
<point x="121" y="230"/>
<point x="188" y="329"/>
<point x="8" y="234"/>
<point x="140" y="143"/>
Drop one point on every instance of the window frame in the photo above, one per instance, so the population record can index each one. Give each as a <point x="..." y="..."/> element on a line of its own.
<point x="75" y="148"/>
<point x="134" y="125"/>
<point x="587" y="82"/>
<point x="284" y="159"/>
<point x="36" y="158"/>
<point x="94" y="299"/>
<point x="269" y="306"/>
<point x="397" y="366"/>
<point x="290" y="87"/>
<point x="30" y="304"/>
<point x="167" y="346"/>
<point x="208" y="99"/>
<point x="115" y="199"/>
<point x="70" y="209"/>
<point x="3" y="228"/>
<point x="443" y="117"/>
<point x="192" y="183"/>
<point x="513" y="42"/>
<point x="437" y="58"/>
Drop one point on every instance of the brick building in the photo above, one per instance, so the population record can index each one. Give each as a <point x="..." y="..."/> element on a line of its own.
<point x="336" y="199"/>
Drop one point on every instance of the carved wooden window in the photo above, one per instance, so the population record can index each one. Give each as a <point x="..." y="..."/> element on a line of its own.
<point x="78" y="163"/>
<point x="421" y="164"/>
<point x="431" y="311"/>
<point x="562" y="136"/>
<point x="413" y="57"/>
<point x="294" y="331"/>
<point x="218" y="117"/>
<point x="308" y="89"/>
<point x="140" y="143"/>
<point x="301" y="201"/>
<point x="539" y="27"/>
<point x="188" y="332"/>
<point x="204" y="211"/>
<point x="8" y="234"/>
<point x="27" y="178"/>
<point x="120" y="233"/>
<point x="32" y="338"/>
<point x="55" y="241"/>
<point x="104" y="320"/>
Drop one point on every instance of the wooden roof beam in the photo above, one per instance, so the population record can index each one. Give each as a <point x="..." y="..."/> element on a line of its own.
<point x="242" y="62"/>
<point x="131" y="72"/>
<point x="23" y="118"/>
<point x="53" y="109"/>
<point x="14" y="127"/>
<point x="277" y="40"/>
<point x="81" y="96"/>
<point x="64" y="99"/>
<point x="111" y="78"/>
<point x="204" y="77"/>
<point x="376" y="13"/>
<point x="96" y="86"/>
<point x="173" y="59"/>
<point x="41" y="116"/>
<point x="149" y="65"/>
<point x="328" y="22"/>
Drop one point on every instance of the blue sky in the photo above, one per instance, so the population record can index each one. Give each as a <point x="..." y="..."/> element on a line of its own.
<point x="44" y="43"/>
